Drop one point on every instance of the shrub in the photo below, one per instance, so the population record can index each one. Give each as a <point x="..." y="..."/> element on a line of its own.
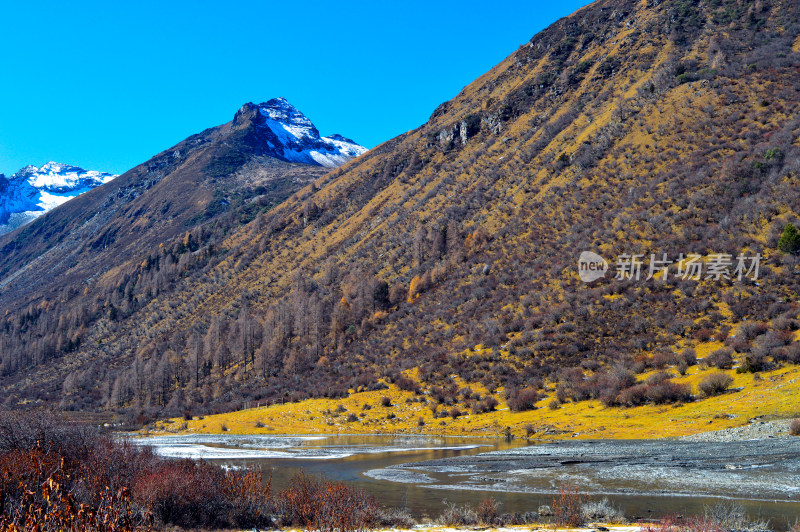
<point x="488" y="511"/>
<point x="519" y="400"/>
<point x="658" y="389"/>
<point x="790" y="353"/>
<point x="487" y="404"/>
<point x="663" y="359"/>
<point x="406" y="384"/>
<point x="386" y="402"/>
<point x="634" y="396"/>
<point x="703" y="335"/>
<point x="568" y="507"/>
<point x="727" y="516"/>
<point x="753" y="362"/>
<point x="714" y="384"/>
<point x="689" y="356"/>
<point x="721" y="359"/>
<point x="196" y="494"/>
<point x="75" y="479"/>
<point x="395" y="518"/>
<point x="606" y="386"/>
<point x="325" y="506"/>
<point x="530" y="430"/>
<point x="602" y="511"/>
<point x="454" y="515"/>
<point x="794" y="427"/>
<point x="668" y="391"/>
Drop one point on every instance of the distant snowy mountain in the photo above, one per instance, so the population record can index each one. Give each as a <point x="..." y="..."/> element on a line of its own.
<point x="292" y="137"/>
<point x="274" y="128"/>
<point x="33" y="191"/>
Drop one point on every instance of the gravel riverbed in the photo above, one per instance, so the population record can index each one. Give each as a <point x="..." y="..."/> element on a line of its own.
<point x="756" y="462"/>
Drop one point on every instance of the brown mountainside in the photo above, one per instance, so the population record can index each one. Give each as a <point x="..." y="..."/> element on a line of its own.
<point x="629" y="127"/>
<point x="166" y="196"/>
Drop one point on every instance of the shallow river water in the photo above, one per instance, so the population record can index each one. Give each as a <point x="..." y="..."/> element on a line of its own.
<point x="644" y="478"/>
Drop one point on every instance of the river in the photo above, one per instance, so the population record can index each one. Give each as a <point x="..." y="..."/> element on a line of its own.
<point x="646" y="479"/>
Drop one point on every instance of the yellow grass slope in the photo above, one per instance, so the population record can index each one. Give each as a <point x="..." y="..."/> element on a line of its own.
<point x="772" y="395"/>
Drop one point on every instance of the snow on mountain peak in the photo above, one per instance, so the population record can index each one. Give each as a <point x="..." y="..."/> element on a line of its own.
<point x="280" y="110"/>
<point x="33" y="191"/>
<point x="62" y="178"/>
<point x="295" y="138"/>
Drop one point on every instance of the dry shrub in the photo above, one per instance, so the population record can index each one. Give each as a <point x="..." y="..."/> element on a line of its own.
<point x="722" y="517"/>
<point x="715" y="384"/>
<point x="658" y="389"/>
<point x="530" y="430"/>
<point x="47" y="490"/>
<point x="602" y="511"/>
<point x="794" y="427"/>
<point x="487" y="404"/>
<point x="524" y="399"/>
<point x="454" y="515"/>
<point x="325" y="506"/>
<point x="725" y="516"/>
<point x="32" y="499"/>
<point x="689" y="356"/>
<point x="395" y="518"/>
<point x="488" y="511"/>
<point x="668" y="524"/>
<point x="191" y="494"/>
<point x="721" y="358"/>
<point x="409" y="385"/>
<point x="568" y="507"/>
<point x="79" y="480"/>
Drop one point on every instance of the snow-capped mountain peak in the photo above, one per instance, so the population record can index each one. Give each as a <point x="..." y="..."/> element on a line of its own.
<point x="33" y="191"/>
<point x="293" y="137"/>
<point x="281" y="111"/>
<point x="59" y="177"/>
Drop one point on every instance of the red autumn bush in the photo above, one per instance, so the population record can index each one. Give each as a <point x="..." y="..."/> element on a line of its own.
<point x="568" y="507"/>
<point x="81" y="480"/>
<point x="190" y="494"/>
<point x="310" y="502"/>
<point x="56" y="476"/>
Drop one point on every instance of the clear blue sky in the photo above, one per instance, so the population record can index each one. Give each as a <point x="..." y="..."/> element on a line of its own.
<point x="107" y="85"/>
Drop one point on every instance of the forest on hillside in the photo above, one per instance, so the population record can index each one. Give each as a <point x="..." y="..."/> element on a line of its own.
<point x="624" y="128"/>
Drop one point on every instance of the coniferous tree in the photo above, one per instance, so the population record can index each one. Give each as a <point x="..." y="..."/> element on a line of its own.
<point x="789" y="241"/>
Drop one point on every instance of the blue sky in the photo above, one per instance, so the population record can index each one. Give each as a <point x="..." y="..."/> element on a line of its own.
<point x="107" y="85"/>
